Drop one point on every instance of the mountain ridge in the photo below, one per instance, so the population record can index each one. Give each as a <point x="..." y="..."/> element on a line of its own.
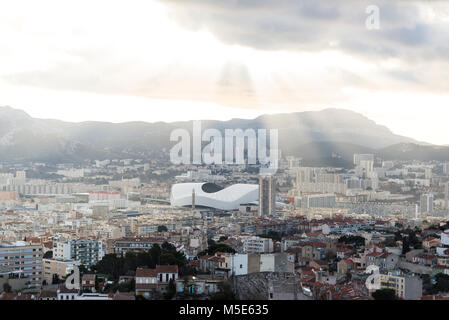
<point x="322" y="133"/>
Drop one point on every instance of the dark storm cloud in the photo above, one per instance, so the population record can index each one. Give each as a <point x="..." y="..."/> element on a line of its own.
<point x="311" y="25"/>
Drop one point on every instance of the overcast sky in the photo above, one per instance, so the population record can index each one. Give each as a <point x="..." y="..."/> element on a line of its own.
<point x="175" y="60"/>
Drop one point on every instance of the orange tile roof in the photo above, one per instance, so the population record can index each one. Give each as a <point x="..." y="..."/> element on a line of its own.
<point x="167" y="269"/>
<point x="146" y="273"/>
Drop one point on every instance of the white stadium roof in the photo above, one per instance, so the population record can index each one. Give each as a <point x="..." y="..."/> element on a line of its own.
<point x="212" y="196"/>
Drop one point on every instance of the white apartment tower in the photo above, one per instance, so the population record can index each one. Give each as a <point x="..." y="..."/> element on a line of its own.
<point x="358" y="158"/>
<point x="446" y="196"/>
<point x="427" y="203"/>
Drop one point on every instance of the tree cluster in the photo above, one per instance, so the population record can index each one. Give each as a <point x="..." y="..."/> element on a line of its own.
<point x="385" y="294"/>
<point x="442" y="283"/>
<point x="216" y="247"/>
<point x="225" y="292"/>
<point x="355" y="241"/>
<point x="115" y="265"/>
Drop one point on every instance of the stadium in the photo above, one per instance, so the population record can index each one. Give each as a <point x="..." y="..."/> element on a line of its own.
<point x="210" y="195"/>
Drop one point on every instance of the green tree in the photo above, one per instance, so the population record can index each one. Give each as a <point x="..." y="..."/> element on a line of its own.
<point x="385" y="294"/>
<point x="356" y="241"/>
<point x="390" y="243"/>
<point x="405" y="245"/>
<point x="216" y="247"/>
<point x="162" y="229"/>
<point x="442" y="282"/>
<point x="111" y="265"/>
<point x="397" y="236"/>
<point x="413" y="239"/>
<point x="171" y="290"/>
<point x="7" y="288"/>
<point x="116" y="266"/>
<point x="427" y="284"/>
<point x="127" y="286"/>
<point x="55" y="279"/>
<point x="48" y="255"/>
<point x="273" y="235"/>
<point x="225" y="292"/>
<point x="82" y="268"/>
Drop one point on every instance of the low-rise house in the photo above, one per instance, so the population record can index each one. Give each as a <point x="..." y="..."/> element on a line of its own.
<point x="220" y="263"/>
<point x="375" y="258"/>
<point x="343" y="253"/>
<point x="146" y="282"/>
<point x="440" y="269"/>
<point x="48" y="295"/>
<point x="165" y="274"/>
<point x="291" y="242"/>
<point x="292" y="256"/>
<point x="195" y="264"/>
<point x="318" y="265"/>
<point x="359" y="261"/>
<point x="409" y="256"/>
<point x="443" y="261"/>
<point x="63" y="293"/>
<point x="207" y="264"/>
<point x="391" y="261"/>
<point x="431" y="242"/>
<point x="150" y="282"/>
<point x="425" y="259"/>
<point x="314" y="250"/>
<point x="88" y="282"/>
<point x="190" y="285"/>
<point x="198" y="285"/>
<point x="344" y="266"/>
<point x="302" y="262"/>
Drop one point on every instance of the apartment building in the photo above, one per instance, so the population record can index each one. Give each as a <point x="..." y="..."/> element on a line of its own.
<point x="267" y="195"/>
<point x="405" y="286"/>
<point x="243" y="264"/>
<point x="442" y="250"/>
<point x="86" y="251"/>
<point x="319" y="200"/>
<point x="124" y="245"/>
<point x="21" y="264"/>
<point x="314" y="250"/>
<point x="315" y="180"/>
<point x="258" y="245"/>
